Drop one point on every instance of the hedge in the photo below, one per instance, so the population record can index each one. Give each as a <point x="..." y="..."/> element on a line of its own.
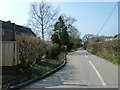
<point x="110" y="48"/>
<point x="31" y="50"/>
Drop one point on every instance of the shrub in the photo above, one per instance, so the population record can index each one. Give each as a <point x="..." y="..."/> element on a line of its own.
<point x="109" y="49"/>
<point x="30" y="50"/>
<point x="52" y="51"/>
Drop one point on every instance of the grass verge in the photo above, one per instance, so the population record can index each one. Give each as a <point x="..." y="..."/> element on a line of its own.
<point x="75" y="49"/>
<point x="31" y="72"/>
<point x="113" y="59"/>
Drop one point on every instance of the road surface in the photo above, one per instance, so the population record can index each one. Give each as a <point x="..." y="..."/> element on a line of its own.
<point x="83" y="70"/>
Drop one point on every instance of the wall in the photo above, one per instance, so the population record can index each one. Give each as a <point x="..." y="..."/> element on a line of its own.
<point x="9" y="53"/>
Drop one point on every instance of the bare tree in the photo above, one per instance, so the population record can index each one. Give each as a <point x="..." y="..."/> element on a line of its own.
<point x="71" y="29"/>
<point x="69" y="21"/>
<point x="42" y="18"/>
<point x="87" y="37"/>
<point x="73" y="32"/>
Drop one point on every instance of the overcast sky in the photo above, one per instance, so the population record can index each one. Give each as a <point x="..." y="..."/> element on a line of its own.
<point x="90" y="15"/>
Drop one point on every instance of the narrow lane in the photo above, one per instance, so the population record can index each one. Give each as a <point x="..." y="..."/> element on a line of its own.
<point x="83" y="70"/>
<point x="107" y="70"/>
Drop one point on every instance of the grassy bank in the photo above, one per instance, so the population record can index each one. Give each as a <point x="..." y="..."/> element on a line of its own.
<point x="30" y="72"/>
<point x="113" y="59"/>
<point x="110" y="50"/>
<point x="73" y="50"/>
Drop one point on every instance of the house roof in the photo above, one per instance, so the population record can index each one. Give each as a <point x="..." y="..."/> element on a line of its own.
<point x="12" y="26"/>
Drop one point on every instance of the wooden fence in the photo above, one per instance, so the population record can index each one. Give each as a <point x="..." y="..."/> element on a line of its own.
<point x="8" y="51"/>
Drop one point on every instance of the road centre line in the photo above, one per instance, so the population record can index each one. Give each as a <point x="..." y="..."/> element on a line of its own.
<point x="103" y="83"/>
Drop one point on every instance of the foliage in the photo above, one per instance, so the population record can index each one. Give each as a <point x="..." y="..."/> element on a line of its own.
<point x="30" y="72"/>
<point x="73" y="32"/>
<point x="59" y="25"/>
<point x="107" y="49"/>
<point x="60" y="35"/>
<point x="88" y="37"/>
<point x="31" y="50"/>
<point x="76" y="42"/>
<point x="55" y="38"/>
<point x="64" y="37"/>
<point x="99" y="38"/>
<point x="66" y="34"/>
<point x="53" y="52"/>
<point x="113" y="59"/>
<point x="73" y="50"/>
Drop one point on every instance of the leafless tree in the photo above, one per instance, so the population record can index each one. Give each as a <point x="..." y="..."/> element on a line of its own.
<point x="42" y="18"/>
<point x="69" y="21"/>
<point x="71" y="29"/>
<point x="87" y="37"/>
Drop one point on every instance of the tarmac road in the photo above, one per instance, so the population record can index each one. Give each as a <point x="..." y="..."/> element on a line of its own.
<point x="83" y="70"/>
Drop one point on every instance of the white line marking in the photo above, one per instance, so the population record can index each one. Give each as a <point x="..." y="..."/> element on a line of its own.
<point x="103" y="83"/>
<point x="85" y="55"/>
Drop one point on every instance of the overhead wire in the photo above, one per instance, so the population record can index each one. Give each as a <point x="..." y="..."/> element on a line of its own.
<point x="107" y="19"/>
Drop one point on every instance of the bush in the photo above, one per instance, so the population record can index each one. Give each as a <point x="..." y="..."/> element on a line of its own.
<point x="74" y="43"/>
<point x="52" y="51"/>
<point x="108" y="50"/>
<point x="30" y="50"/>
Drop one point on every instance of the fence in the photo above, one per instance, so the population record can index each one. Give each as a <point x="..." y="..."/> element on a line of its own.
<point x="8" y="50"/>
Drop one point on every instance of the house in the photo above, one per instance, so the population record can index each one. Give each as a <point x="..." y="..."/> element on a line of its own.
<point x="9" y="31"/>
<point x="108" y="39"/>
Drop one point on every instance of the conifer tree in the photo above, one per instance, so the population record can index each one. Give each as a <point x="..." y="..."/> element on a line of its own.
<point x="60" y="33"/>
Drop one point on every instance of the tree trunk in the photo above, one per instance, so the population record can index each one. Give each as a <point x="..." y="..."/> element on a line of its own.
<point x="42" y="26"/>
<point x="42" y="33"/>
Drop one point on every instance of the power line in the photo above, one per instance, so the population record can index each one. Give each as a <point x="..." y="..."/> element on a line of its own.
<point x="107" y="18"/>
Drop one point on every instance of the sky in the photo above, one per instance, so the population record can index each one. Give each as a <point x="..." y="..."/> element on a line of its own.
<point x="90" y="16"/>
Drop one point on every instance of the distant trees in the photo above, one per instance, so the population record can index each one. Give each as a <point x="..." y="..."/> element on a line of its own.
<point x="74" y="34"/>
<point x="88" y="37"/>
<point x="42" y="18"/>
<point x="65" y="33"/>
<point x="92" y="39"/>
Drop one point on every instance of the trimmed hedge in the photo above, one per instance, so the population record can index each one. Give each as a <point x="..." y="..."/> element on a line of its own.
<point x="53" y="52"/>
<point x="108" y="48"/>
<point x="31" y="50"/>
